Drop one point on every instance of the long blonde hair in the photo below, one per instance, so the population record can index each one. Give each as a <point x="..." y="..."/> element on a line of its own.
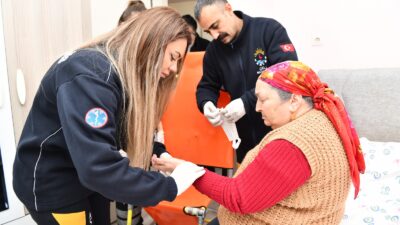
<point x="136" y="49"/>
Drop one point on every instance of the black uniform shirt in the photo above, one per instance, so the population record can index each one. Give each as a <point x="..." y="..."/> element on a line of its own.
<point x="69" y="145"/>
<point x="235" y="67"/>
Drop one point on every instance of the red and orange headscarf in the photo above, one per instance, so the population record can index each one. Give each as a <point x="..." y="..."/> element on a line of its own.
<point x="297" y="78"/>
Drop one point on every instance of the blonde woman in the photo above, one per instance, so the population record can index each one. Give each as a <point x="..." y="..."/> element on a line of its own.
<point x="105" y="96"/>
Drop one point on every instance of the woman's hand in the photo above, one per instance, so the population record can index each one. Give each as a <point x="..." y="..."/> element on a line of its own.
<point x="184" y="173"/>
<point x="166" y="164"/>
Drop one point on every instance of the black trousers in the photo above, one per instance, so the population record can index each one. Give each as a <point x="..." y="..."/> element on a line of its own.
<point x="94" y="210"/>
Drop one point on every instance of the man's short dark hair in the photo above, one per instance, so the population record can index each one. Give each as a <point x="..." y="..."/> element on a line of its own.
<point x="201" y="3"/>
<point x="190" y="21"/>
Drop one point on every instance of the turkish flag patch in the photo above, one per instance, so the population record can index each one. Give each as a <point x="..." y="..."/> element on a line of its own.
<point x="287" y="48"/>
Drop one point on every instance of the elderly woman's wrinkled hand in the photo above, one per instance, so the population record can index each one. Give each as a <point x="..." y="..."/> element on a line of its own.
<point x="166" y="164"/>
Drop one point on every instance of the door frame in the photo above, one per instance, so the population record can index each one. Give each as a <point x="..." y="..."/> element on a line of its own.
<point x="7" y="138"/>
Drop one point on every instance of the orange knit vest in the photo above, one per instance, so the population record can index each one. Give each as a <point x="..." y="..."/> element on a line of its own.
<point x="321" y="199"/>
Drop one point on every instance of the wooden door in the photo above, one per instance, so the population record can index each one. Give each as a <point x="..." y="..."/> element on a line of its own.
<point x="36" y="32"/>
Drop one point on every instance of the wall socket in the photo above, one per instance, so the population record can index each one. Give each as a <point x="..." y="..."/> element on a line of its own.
<point x="316" y="41"/>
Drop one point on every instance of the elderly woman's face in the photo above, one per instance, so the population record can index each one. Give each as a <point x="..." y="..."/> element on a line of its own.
<point x="274" y="111"/>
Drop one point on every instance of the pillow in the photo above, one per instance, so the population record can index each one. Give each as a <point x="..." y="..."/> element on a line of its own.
<point x="378" y="202"/>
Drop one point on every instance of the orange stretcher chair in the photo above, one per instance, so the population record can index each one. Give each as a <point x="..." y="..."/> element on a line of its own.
<point x="189" y="136"/>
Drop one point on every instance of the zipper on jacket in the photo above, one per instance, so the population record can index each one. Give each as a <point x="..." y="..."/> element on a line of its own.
<point x="251" y="119"/>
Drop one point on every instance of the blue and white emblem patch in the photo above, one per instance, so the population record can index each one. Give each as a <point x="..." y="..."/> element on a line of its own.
<point x="96" y="117"/>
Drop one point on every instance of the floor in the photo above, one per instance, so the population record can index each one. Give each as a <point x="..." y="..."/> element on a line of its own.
<point x="210" y="215"/>
<point x="211" y="211"/>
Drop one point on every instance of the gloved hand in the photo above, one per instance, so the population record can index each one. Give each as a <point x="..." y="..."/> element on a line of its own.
<point x="165" y="155"/>
<point x="159" y="135"/>
<point x="212" y="114"/>
<point x="165" y="163"/>
<point x="185" y="174"/>
<point x="234" y="110"/>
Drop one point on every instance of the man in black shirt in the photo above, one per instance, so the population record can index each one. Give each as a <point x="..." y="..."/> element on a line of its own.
<point x="242" y="48"/>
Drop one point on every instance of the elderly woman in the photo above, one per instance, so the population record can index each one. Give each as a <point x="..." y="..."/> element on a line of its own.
<point x="300" y="173"/>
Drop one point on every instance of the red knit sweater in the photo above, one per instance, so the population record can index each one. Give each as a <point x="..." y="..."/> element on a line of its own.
<point x="278" y="170"/>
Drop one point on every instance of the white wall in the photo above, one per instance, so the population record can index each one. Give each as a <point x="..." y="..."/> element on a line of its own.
<point x="105" y="13"/>
<point x="184" y="7"/>
<point x="187" y="7"/>
<point x="353" y="33"/>
<point x="155" y="3"/>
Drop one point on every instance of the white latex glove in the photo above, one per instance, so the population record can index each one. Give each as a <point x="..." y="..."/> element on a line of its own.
<point x="123" y="153"/>
<point x="165" y="155"/>
<point x="185" y="174"/>
<point x="234" y="110"/>
<point x="212" y="114"/>
<point x="159" y="136"/>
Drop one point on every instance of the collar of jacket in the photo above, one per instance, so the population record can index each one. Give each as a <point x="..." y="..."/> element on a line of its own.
<point x="240" y="37"/>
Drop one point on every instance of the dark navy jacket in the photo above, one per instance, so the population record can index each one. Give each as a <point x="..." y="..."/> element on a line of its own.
<point x="235" y="68"/>
<point x="69" y="145"/>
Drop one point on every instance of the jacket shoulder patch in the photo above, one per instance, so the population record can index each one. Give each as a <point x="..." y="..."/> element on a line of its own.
<point x="287" y="48"/>
<point x="96" y="117"/>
